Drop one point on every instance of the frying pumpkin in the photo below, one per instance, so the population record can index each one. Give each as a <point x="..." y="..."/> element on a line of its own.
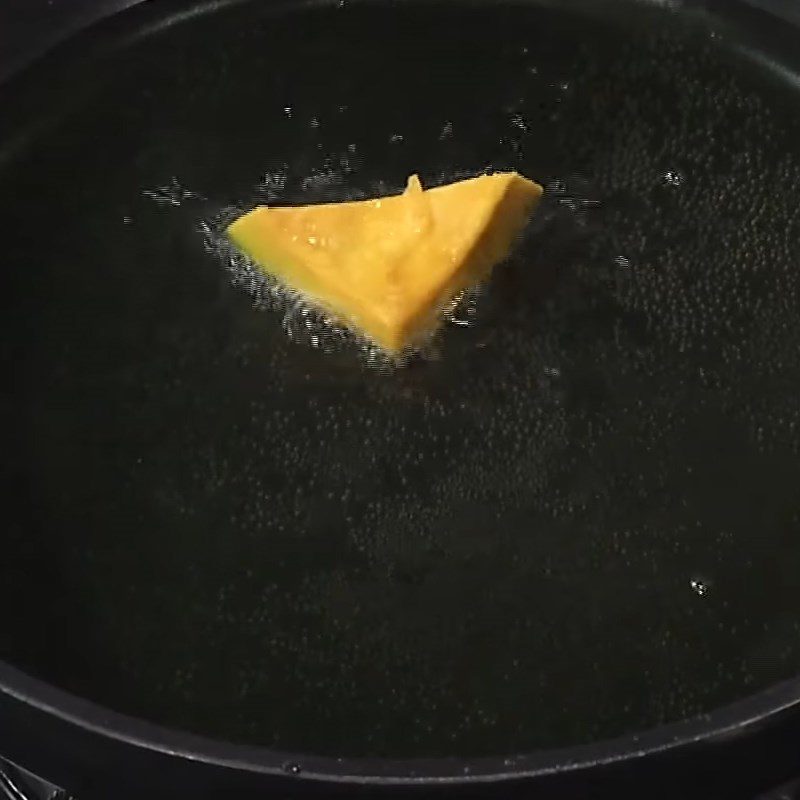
<point x="386" y="267"/>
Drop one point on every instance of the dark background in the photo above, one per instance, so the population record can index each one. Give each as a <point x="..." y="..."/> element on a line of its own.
<point x="29" y="27"/>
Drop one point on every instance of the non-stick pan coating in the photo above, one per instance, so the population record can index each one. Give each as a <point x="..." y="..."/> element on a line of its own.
<point x="578" y="517"/>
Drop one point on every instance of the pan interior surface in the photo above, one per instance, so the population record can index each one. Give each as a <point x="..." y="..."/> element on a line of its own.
<point x="577" y="518"/>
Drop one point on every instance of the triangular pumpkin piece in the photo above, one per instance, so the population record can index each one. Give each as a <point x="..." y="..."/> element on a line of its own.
<point x="387" y="267"/>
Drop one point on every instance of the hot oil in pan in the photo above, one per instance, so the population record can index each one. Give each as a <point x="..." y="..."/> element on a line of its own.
<point x="269" y="543"/>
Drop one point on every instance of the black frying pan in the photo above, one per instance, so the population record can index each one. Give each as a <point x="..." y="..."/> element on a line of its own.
<point x="575" y="520"/>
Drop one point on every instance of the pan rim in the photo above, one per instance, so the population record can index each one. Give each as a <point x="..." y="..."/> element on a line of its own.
<point x="733" y="720"/>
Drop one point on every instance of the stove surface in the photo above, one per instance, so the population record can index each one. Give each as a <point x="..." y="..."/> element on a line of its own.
<point x="17" y="783"/>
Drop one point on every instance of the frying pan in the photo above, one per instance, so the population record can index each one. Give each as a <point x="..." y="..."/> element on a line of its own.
<point x="558" y="551"/>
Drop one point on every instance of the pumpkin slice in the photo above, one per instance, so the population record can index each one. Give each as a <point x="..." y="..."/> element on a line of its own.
<point x="387" y="267"/>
